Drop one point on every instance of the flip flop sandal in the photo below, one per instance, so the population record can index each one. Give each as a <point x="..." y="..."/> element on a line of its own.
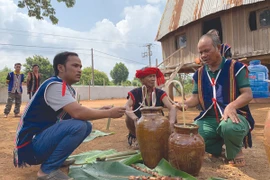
<point x="55" y="175"/>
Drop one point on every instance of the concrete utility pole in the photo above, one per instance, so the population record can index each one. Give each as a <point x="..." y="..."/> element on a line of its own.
<point x="92" y="58"/>
<point x="148" y="54"/>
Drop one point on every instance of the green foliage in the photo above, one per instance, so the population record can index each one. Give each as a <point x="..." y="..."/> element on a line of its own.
<point x="127" y="83"/>
<point x="45" y="67"/>
<point x="119" y="73"/>
<point x="43" y="8"/>
<point x="3" y="75"/>
<point x="100" y="77"/>
<point x="186" y="81"/>
<point x="188" y="84"/>
<point x="136" y="82"/>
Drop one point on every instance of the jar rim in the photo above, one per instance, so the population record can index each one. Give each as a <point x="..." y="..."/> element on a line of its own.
<point x="151" y="108"/>
<point x="187" y="126"/>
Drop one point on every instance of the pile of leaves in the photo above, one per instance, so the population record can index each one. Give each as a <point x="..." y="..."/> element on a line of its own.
<point x="109" y="164"/>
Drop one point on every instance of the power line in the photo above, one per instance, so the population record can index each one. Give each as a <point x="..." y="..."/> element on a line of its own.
<point x="70" y="37"/>
<point x="43" y="47"/>
<point x="117" y="57"/>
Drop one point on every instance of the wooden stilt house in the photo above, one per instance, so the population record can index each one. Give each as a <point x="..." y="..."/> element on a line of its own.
<point x="243" y="24"/>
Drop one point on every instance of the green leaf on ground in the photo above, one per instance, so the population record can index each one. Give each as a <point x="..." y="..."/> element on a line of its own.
<point x="104" y="171"/>
<point x="164" y="168"/>
<point x="137" y="158"/>
<point x="90" y="156"/>
<point x="96" y="133"/>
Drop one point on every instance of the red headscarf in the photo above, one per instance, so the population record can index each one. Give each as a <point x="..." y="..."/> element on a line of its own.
<point x="151" y="70"/>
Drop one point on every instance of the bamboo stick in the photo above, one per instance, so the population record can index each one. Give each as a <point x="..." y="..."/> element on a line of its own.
<point x="109" y="122"/>
<point x="116" y="158"/>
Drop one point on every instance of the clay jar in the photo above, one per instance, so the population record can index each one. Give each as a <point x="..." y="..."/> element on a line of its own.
<point x="266" y="140"/>
<point x="186" y="148"/>
<point x="152" y="132"/>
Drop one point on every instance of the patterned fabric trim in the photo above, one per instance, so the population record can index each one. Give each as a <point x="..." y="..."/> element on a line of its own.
<point x="232" y="82"/>
<point x="162" y="96"/>
<point x="132" y="97"/>
<point x="200" y="90"/>
<point x="35" y="82"/>
<point x="16" y="86"/>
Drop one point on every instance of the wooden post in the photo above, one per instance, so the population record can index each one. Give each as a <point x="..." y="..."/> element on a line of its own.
<point x="171" y="91"/>
<point x="92" y="58"/>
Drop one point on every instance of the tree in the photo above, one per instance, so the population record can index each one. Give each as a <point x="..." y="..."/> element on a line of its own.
<point x="43" y="8"/>
<point x="3" y="75"/>
<point x="45" y="67"/>
<point x="119" y="73"/>
<point x="136" y="82"/>
<point x="100" y="77"/>
<point x="126" y="83"/>
<point x="187" y="83"/>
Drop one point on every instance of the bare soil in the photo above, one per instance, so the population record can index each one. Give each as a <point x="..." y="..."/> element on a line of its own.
<point x="257" y="166"/>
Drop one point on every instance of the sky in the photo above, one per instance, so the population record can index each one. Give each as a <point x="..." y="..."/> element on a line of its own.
<point x="117" y="30"/>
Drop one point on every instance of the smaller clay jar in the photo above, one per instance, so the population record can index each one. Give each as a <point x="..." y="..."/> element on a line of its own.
<point x="266" y="140"/>
<point x="152" y="132"/>
<point x="186" y="148"/>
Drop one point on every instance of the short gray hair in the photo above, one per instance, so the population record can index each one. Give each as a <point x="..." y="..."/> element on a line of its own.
<point x="215" y="39"/>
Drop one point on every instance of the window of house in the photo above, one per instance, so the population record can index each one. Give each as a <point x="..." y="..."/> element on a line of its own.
<point x="252" y="21"/>
<point x="264" y="18"/>
<point x="181" y="41"/>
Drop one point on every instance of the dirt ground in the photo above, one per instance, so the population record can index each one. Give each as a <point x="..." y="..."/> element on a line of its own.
<point x="257" y="166"/>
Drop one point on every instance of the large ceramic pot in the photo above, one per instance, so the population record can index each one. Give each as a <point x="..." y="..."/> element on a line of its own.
<point x="186" y="148"/>
<point x="266" y="140"/>
<point x="152" y="132"/>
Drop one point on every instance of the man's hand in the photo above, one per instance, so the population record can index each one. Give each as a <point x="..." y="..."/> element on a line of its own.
<point x="230" y="112"/>
<point x="182" y="106"/>
<point x="117" y="112"/>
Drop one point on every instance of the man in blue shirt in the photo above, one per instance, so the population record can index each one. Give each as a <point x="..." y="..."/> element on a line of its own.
<point x="14" y="81"/>
<point x="54" y="124"/>
<point x="221" y="88"/>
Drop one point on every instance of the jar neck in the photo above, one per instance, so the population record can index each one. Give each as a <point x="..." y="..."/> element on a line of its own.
<point x="188" y="129"/>
<point x="151" y="111"/>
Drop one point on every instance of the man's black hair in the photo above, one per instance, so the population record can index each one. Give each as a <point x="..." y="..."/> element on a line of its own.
<point x="61" y="58"/>
<point x="17" y="64"/>
<point x="34" y="65"/>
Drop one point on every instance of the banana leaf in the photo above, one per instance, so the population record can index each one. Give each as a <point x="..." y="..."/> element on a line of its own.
<point x="137" y="158"/>
<point x="90" y="156"/>
<point x="104" y="171"/>
<point x="118" y="170"/>
<point x="164" y="168"/>
<point x="94" y="134"/>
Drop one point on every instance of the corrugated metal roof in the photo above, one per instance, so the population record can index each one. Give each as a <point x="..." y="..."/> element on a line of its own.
<point x="179" y="13"/>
